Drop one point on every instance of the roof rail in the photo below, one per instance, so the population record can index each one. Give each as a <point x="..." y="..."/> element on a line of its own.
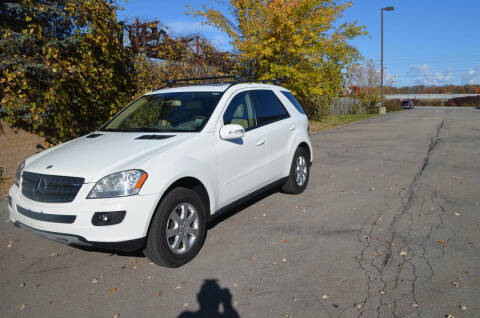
<point x="273" y="81"/>
<point x="172" y="82"/>
<point x="235" y="79"/>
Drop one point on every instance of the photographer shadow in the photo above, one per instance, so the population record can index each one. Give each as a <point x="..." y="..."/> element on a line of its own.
<point x="214" y="301"/>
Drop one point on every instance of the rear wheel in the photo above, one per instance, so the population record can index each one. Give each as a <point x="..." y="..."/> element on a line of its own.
<point x="299" y="173"/>
<point x="178" y="229"/>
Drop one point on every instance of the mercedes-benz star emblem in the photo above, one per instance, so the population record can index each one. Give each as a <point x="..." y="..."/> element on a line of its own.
<point x="40" y="187"/>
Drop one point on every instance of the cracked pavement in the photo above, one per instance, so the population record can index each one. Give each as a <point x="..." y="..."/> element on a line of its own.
<point x="388" y="227"/>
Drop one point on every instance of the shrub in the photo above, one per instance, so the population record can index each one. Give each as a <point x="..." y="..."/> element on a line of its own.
<point x="64" y="70"/>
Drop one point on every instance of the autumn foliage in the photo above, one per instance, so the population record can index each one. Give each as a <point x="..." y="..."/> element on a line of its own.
<point x="64" y="69"/>
<point x="299" y="42"/>
<point x="67" y="66"/>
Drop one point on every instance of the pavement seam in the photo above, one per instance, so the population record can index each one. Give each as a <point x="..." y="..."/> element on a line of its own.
<point x="383" y="296"/>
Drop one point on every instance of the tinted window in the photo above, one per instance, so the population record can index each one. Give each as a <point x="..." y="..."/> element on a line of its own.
<point x="268" y="107"/>
<point x="240" y="111"/>
<point x="294" y="101"/>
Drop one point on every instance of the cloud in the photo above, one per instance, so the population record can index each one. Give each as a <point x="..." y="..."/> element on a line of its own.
<point x="424" y="75"/>
<point x="472" y="76"/>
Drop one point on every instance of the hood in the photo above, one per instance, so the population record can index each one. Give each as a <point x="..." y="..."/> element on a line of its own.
<point x="108" y="152"/>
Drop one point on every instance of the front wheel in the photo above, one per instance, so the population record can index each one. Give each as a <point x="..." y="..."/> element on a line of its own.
<point x="178" y="229"/>
<point x="299" y="173"/>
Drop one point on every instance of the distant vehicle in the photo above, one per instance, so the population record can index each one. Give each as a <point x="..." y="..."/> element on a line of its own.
<point x="408" y="104"/>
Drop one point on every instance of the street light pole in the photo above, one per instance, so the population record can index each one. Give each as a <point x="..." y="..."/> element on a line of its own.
<point x="382" y="109"/>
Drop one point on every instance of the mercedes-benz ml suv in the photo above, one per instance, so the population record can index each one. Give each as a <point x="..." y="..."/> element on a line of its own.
<point x="151" y="177"/>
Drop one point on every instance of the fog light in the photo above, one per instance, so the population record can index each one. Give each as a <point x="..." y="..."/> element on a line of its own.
<point x="10" y="201"/>
<point x="108" y="218"/>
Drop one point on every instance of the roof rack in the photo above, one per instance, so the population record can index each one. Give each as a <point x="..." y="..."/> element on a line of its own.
<point x="272" y="81"/>
<point x="172" y="82"/>
<point x="235" y="79"/>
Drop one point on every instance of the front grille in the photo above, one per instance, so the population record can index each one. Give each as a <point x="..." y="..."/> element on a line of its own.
<point x="49" y="188"/>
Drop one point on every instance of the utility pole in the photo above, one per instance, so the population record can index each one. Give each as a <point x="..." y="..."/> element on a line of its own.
<point x="382" y="109"/>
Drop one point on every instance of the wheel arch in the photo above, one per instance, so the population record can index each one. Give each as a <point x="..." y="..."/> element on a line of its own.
<point x="306" y="147"/>
<point x="185" y="182"/>
<point x="190" y="183"/>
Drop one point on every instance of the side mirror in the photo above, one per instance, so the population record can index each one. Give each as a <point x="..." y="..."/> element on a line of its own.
<point x="232" y="131"/>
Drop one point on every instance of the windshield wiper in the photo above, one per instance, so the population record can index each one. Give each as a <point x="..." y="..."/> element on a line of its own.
<point x="139" y="129"/>
<point x="147" y="129"/>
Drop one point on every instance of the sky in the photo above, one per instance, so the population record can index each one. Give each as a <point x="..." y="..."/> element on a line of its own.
<point x="427" y="42"/>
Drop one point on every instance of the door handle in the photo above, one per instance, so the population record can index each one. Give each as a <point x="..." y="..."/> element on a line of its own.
<point x="292" y="127"/>
<point x="260" y="142"/>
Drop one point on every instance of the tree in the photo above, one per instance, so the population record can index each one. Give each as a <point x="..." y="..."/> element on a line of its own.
<point x="160" y="55"/>
<point x="297" y="41"/>
<point x="64" y="70"/>
<point x="366" y="77"/>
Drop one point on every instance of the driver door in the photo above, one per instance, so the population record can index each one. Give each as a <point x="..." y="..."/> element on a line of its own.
<point x="242" y="163"/>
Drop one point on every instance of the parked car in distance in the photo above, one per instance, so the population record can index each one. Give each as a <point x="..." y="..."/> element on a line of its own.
<point x="152" y="176"/>
<point x="408" y="104"/>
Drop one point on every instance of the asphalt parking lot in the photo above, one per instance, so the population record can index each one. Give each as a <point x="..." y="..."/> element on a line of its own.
<point x="388" y="227"/>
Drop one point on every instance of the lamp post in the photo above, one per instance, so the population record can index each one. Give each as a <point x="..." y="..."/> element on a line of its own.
<point x="383" y="109"/>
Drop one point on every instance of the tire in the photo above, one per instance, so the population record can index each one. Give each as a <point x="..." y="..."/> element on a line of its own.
<point x="291" y="185"/>
<point x="165" y="251"/>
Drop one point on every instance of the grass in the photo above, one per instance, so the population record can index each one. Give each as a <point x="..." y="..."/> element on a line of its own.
<point x="337" y="120"/>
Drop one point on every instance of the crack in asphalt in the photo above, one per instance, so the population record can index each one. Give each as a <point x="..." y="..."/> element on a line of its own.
<point x="390" y="264"/>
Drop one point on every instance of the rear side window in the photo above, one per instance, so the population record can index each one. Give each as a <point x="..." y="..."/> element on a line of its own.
<point x="294" y="101"/>
<point x="268" y="107"/>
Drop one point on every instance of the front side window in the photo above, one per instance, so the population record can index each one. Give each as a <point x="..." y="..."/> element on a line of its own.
<point x="240" y="111"/>
<point x="268" y="107"/>
<point x="166" y="112"/>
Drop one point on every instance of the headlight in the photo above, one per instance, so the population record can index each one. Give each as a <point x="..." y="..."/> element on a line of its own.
<point x="18" y="175"/>
<point x="119" y="184"/>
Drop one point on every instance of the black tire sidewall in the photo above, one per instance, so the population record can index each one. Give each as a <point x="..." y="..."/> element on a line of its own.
<point x="157" y="241"/>
<point x="299" y="152"/>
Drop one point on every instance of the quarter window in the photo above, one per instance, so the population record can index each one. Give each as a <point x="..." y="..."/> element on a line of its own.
<point x="268" y="107"/>
<point x="240" y="111"/>
<point x="294" y="101"/>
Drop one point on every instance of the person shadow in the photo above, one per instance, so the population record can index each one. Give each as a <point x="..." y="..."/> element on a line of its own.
<point x="214" y="301"/>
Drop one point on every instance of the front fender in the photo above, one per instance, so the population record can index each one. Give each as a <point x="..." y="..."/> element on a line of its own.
<point x="161" y="179"/>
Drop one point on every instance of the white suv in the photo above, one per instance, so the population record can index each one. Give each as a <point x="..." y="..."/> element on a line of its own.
<point x="152" y="177"/>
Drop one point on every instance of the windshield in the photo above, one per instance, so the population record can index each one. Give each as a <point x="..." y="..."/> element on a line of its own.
<point x="167" y="112"/>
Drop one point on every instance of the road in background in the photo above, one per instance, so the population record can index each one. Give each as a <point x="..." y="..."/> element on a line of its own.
<point x="388" y="227"/>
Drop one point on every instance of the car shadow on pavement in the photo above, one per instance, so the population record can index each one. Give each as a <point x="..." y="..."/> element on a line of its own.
<point x="107" y="251"/>
<point x="216" y="219"/>
<point x="229" y="212"/>
<point x="214" y="301"/>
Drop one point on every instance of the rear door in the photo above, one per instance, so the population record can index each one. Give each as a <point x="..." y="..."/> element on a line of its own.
<point x="279" y="129"/>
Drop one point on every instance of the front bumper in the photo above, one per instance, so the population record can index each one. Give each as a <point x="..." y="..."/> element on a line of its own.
<point x="71" y="223"/>
<point x="76" y="240"/>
